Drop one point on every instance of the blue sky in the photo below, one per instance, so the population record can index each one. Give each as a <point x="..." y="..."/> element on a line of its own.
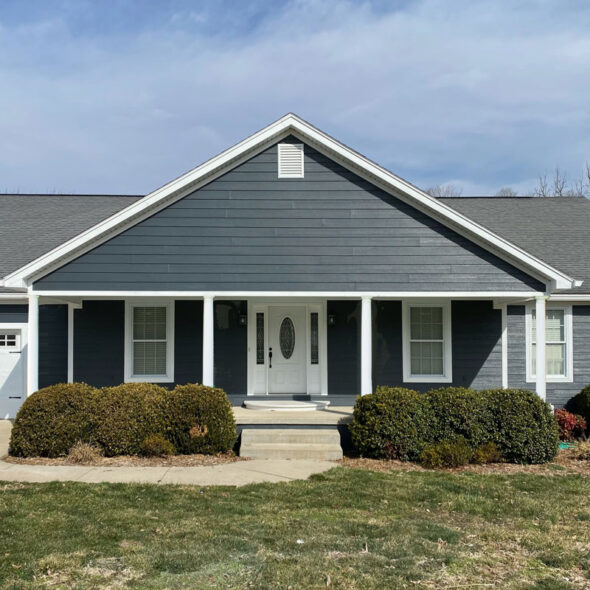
<point x="121" y="96"/>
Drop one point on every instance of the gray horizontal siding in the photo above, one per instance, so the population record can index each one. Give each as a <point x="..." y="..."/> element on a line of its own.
<point x="250" y="230"/>
<point x="14" y="314"/>
<point x="99" y="343"/>
<point x="558" y="394"/>
<point x="476" y="345"/>
<point x="53" y="344"/>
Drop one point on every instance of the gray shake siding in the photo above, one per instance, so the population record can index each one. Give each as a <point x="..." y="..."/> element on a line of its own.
<point x="250" y="230"/>
<point x="557" y="393"/>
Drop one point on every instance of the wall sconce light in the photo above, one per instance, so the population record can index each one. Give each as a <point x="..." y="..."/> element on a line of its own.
<point x="331" y="319"/>
<point x="243" y="319"/>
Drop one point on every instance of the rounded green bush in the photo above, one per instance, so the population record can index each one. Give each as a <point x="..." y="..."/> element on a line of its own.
<point x="522" y="425"/>
<point x="392" y="423"/>
<point x="454" y="452"/>
<point x="200" y="419"/>
<point x="580" y="404"/>
<point x="127" y="414"/>
<point x="459" y="411"/>
<point x="53" y="419"/>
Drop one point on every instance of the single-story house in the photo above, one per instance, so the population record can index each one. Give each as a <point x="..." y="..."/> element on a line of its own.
<point x="292" y="267"/>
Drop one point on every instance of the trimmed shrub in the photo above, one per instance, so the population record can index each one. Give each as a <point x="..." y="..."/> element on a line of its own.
<point x="127" y="414"/>
<point x="580" y="404"/>
<point x="571" y="426"/>
<point x="522" y="425"/>
<point x="156" y="445"/>
<point x="392" y="423"/>
<point x="53" y="419"/>
<point x="459" y="411"/>
<point x="447" y="453"/>
<point x="200" y="419"/>
<point x="487" y="453"/>
<point x="83" y="452"/>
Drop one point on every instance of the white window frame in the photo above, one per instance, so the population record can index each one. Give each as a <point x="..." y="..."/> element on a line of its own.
<point x="129" y="376"/>
<point x="569" y="345"/>
<point x="447" y="376"/>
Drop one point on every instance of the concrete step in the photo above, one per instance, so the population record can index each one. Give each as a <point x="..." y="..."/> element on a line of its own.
<point x="291" y="435"/>
<point x="291" y="443"/>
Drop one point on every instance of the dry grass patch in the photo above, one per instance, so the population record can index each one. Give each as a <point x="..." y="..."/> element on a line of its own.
<point x="346" y="528"/>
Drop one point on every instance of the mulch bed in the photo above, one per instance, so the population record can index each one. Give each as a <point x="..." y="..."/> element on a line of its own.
<point x="135" y="461"/>
<point x="564" y="464"/>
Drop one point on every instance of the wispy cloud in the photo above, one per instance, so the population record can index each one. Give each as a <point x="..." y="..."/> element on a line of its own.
<point x="475" y="93"/>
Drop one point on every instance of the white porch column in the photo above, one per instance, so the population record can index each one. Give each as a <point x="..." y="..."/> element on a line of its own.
<point x="33" y="345"/>
<point x="366" y="347"/>
<point x="208" y="340"/>
<point x="70" y="342"/>
<point x="540" y="347"/>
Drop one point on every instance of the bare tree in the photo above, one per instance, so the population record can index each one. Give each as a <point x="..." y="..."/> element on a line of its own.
<point x="506" y="191"/>
<point x="444" y="190"/>
<point x="558" y="186"/>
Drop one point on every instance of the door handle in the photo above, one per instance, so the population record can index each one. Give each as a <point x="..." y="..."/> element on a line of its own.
<point x="270" y="358"/>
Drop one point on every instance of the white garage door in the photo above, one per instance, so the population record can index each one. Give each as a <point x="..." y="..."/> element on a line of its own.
<point x="12" y="371"/>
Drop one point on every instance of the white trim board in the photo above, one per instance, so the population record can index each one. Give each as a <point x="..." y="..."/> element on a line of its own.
<point x="289" y="124"/>
<point x="514" y="296"/>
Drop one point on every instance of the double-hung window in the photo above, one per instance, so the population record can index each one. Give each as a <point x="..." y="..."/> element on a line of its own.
<point x="149" y="342"/>
<point x="558" y="343"/>
<point x="427" y="351"/>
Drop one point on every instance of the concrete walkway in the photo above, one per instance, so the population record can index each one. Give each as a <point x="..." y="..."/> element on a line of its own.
<point x="227" y="474"/>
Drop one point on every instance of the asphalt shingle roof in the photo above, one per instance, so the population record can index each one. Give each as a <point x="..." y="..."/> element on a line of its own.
<point x="554" y="229"/>
<point x="31" y="225"/>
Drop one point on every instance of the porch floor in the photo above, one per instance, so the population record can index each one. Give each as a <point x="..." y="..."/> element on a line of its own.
<point x="332" y="416"/>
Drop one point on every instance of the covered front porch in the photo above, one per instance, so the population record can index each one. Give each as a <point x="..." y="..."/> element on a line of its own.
<point x="330" y="346"/>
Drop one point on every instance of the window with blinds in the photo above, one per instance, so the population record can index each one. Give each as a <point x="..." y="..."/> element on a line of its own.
<point x="150" y="341"/>
<point x="426" y="341"/>
<point x="555" y="343"/>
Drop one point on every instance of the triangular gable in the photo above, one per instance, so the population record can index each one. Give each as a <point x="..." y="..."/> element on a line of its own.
<point x="287" y="125"/>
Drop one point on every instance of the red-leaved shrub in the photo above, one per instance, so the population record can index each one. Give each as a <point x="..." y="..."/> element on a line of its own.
<point x="571" y="426"/>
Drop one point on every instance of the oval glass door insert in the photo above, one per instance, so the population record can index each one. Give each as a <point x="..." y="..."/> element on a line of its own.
<point x="287" y="337"/>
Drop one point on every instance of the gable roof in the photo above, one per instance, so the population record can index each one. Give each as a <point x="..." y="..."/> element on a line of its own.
<point x="290" y="124"/>
<point x="32" y="225"/>
<point x="555" y="229"/>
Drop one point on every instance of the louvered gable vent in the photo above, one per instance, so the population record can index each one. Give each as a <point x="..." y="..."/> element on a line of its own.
<point x="290" y="160"/>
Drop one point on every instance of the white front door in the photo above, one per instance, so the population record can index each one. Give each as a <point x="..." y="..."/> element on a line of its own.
<point x="12" y="372"/>
<point x="287" y="348"/>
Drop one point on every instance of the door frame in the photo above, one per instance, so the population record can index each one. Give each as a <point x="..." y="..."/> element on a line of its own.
<point x="255" y="371"/>
<point x="23" y="327"/>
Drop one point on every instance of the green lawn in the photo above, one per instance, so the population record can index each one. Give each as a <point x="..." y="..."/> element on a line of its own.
<point x="356" y="529"/>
